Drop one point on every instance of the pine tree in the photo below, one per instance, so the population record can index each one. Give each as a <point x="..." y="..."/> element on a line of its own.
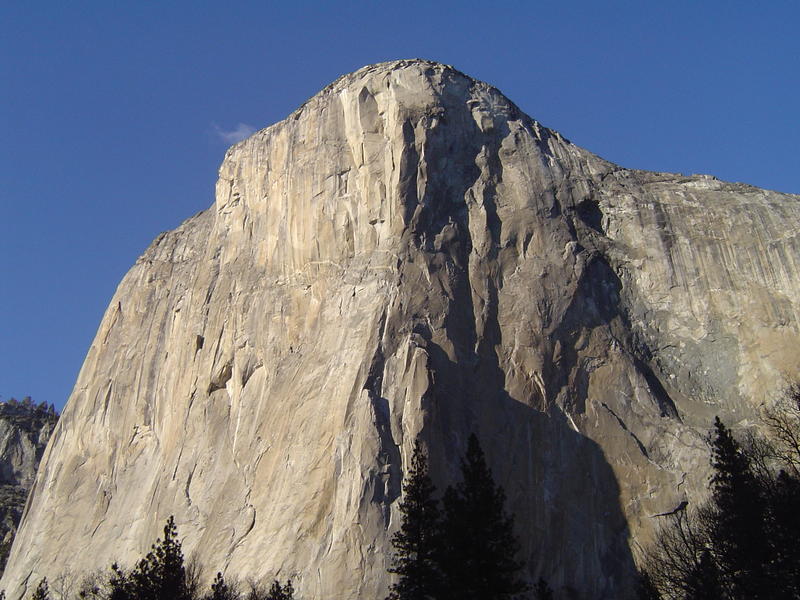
<point x="704" y="582"/>
<point x="783" y="535"/>
<point x="278" y="592"/>
<point x="480" y="548"/>
<point x="417" y="542"/>
<point x="742" y="543"/>
<point x="119" y="585"/>
<point x="738" y="530"/>
<point x="159" y="576"/>
<point x="220" y="590"/>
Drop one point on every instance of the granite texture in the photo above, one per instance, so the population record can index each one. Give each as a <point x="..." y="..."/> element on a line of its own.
<point x="409" y="255"/>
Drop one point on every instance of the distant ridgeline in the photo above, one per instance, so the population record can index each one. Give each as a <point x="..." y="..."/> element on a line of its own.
<point x="25" y="428"/>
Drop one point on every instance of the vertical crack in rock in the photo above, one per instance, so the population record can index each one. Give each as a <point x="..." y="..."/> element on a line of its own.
<point x="188" y="486"/>
<point x="387" y="479"/>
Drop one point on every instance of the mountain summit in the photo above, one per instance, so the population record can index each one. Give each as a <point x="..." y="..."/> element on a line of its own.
<point x="410" y="256"/>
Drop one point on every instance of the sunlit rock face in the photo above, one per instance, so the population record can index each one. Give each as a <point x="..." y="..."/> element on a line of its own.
<point x="409" y="255"/>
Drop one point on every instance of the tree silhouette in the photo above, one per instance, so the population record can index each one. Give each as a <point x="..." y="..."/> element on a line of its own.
<point x="220" y="590"/>
<point x="160" y="575"/>
<point x="784" y="533"/>
<point x="278" y="592"/>
<point x="742" y="543"/>
<point x="704" y="582"/>
<point x="738" y="519"/>
<point x="480" y="548"/>
<point x="417" y="542"/>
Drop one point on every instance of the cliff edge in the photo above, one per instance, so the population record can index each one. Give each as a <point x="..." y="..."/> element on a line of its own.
<point x="409" y="255"/>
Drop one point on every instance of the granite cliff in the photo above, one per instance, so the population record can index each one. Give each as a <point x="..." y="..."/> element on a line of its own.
<point x="25" y="429"/>
<point x="409" y="255"/>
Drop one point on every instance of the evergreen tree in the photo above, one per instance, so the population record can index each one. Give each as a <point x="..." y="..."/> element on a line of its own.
<point x="119" y="585"/>
<point x="704" y="582"/>
<point x="738" y="523"/>
<point x="783" y="535"/>
<point x="159" y="576"/>
<point x="741" y="544"/>
<point x="480" y="548"/>
<point x="278" y="592"/>
<point x="220" y="590"/>
<point x="417" y="542"/>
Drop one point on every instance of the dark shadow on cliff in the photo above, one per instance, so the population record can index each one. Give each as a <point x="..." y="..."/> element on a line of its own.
<point x="560" y="487"/>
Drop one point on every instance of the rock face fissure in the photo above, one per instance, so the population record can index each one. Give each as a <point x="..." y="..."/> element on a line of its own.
<point x="408" y="255"/>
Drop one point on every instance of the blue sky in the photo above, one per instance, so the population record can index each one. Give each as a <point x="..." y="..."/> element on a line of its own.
<point x="115" y="116"/>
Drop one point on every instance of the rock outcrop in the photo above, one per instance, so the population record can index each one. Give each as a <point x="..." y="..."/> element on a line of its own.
<point x="25" y="429"/>
<point x="409" y="255"/>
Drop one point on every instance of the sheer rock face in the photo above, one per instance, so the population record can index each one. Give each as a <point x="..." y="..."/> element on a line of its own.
<point x="24" y="431"/>
<point x="409" y="255"/>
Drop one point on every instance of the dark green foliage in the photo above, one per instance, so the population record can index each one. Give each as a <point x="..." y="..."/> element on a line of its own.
<point x="479" y="545"/>
<point x="704" y="582"/>
<point x="741" y="545"/>
<point x="42" y="591"/>
<point x="28" y="416"/>
<point x="470" y="553"/>
<point x="161" y="575"/>
<point x="784" y="528"/>
<point x="278" y="592"/>
<point x="739" y="520"/>
<point x="220" y="590"/>
<point x="417" y="542"/>
<point x="120" y="587"/>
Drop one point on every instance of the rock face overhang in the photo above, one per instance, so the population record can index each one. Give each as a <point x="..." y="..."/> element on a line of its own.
<point x="409" y="255"/>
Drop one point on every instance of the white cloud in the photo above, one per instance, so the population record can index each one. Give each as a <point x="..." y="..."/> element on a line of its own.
<point x="237" y="134"/>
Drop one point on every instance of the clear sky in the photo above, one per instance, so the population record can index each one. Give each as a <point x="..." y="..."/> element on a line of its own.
<point x="114" y="116"/>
